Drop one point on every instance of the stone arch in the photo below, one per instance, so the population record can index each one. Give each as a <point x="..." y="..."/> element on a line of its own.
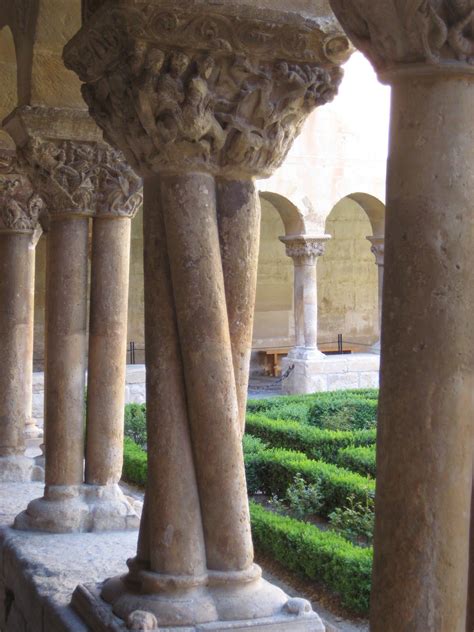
<point x="374" y="209"/>
<point x="295" y="221"/>
<point x="348" y="275"/>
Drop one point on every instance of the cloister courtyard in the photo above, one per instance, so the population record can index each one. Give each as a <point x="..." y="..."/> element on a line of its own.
<point x="236" y="298"/>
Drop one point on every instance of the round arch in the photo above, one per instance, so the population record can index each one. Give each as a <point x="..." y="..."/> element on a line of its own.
<point x="374" y="209"/>
<point x="297" y="215"/>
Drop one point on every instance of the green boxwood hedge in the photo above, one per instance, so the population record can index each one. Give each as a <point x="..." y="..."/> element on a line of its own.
<point x="361" y="460"/>
<point x="135" y="465"/>
<point x="272" y="471"/>
<point x="322" y="556"/>
<point x="314" y="442"/>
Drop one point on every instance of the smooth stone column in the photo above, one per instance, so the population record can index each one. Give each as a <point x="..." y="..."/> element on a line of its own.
<point x="110" y="271"/>
<point x="239" y="212"/>
<point x="17" y="271"/>
<point x="470" y="591"/>
<point x="65" y="367"/>
<point x="378" y="250"/>
<point x="305" y="250"/>
<point x="426" y="412"/>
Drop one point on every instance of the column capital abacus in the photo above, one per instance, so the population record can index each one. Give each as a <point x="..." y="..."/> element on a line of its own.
<point x="305" y="249"/>
<point x="20" y="205"/>
<point x="204" y="88"/>
<point x="422" y="36"/>
<point x="377" y="249"/>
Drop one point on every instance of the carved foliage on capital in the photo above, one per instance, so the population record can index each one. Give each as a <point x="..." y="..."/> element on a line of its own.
<point x="20" y="206"/>
<point x="409" y="31"/>
<point x="304" y="250"/>
<point x="378" y="249"/>
<point x="202" y="92"/>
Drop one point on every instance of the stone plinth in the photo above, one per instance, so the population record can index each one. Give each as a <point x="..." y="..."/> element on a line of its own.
<point x="329" y="373"/>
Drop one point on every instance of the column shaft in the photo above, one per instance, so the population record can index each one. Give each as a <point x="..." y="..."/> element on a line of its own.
<point x="17" y="269"/>
<point x="470" y="592"/>
<point x="306" y="305"/>
<point x="175" y="542"/>
<point x="238" y="210"/>
<point x="107" y="349"/>
<point x="425" y="427"/>
<point x="66" y="324"/>
<point x="189" y="205"/>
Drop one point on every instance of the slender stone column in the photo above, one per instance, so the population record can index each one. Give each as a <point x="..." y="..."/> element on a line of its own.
<point x="470" y="592"/>
<point x="378" y="250"/>
<point x="65" y="154"/>
<point x="199" y="118"/>
<point x="120" y="197"/>
<point x="239" y="213"/>
<point x="305" y="250"/>
<point x="19" y="212"/>
<point x="426" y="412"/>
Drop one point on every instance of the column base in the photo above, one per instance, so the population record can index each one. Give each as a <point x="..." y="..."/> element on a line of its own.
<point x="19" y="469"/>
<point x="32" y="430"/>
<point x="267" y="608"/>
<point x="79" y="509"/>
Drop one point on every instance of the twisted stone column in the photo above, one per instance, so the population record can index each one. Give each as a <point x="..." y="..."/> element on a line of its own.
<point x="426" y="412"/>
<point x="69" y="163"/>
<point x="20" y="208"/>
<point x="378" y="250"/>
<point x="199" y="117"/>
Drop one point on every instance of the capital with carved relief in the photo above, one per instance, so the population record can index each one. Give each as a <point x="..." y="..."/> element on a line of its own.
<point x="215" y="89"/>
<point x="395" y="34"/>
<point x="20" y="205"/>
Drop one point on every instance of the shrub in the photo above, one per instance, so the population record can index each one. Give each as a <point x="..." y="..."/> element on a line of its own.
<point x="135" y="423"/>
<point x="135" y="464"/>
<point x="355" y="520"/>
<point x="322" y="556"/>
<point x="273" y="471"/>
<point x="314" y="442"/>
<point x="302" y="499"/>
<point x="361" y="460"/>
<point x="342" y="412"/>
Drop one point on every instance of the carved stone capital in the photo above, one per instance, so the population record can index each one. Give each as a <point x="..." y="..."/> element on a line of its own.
<point x="119" y="189"/>
<point x="400" y="32"/>
<point x="75" y="171"/>
<point x="217" y="89"/>
<point x="20" y="205"/>
<point x="66" y="173"/>
<point x="378" y="249"/>
<point x="305" y="249"/>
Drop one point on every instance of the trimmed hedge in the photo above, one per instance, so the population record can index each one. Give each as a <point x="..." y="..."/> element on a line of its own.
<point x="272" y="471"/>
<point x="314" y="442"/>
<point x="135" y="466"/>
<point x="361" y="460"/>
<point x="322" y="556"/>
<point x="343" y="412"/>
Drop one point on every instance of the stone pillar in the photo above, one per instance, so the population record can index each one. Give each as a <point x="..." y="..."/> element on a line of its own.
<point x="426" y="412"/>
<point x="470" y="592"/>
<point x="303" y="365"/>
<point x="199" y="117"/>
<point x="305" y="250"/>
<point x="19" y="213"/>
<point x="65" y="153"/>
<point x="378" y="250"/>
<point x="119" y="197"/>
